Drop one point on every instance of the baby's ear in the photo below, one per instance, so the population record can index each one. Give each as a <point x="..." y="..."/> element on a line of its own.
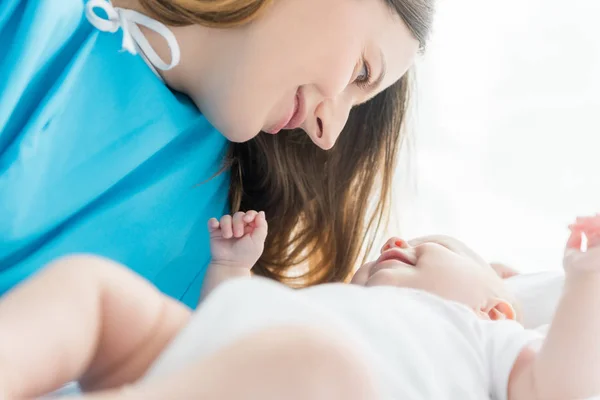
<point x="499" y="309"/>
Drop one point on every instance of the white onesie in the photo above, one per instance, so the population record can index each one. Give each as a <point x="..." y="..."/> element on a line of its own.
<point x="418" y="345"/>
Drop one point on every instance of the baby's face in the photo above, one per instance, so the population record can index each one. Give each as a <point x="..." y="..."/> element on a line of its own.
<point x="436" y="264"/>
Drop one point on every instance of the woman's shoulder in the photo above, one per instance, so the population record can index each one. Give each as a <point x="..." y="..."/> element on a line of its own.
<point x="41" y="38"/>
<point x="40" y="24"/>
<point x="36" y="10"/>
<point x="60" y="65"/>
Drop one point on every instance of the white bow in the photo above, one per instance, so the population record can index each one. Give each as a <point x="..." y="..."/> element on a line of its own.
<point x="128" y="21"/>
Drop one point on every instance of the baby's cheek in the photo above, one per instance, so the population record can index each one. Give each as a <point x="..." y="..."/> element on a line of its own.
<point x="362" y="275"/>
<point x="394" y="277"/>
<point x="442" y="281"/>
<point x="460" y="287"/>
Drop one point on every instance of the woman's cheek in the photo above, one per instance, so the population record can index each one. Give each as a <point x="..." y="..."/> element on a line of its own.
<point x="336" y="72"/>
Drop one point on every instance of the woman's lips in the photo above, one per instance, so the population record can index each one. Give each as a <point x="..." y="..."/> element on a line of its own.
<point x="294" y="118"/>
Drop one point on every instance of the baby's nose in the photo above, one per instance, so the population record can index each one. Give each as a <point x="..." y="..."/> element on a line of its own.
<point x="394" y="242"/>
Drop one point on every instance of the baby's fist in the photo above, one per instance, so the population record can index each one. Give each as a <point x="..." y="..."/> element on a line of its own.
<point x="576" y="259"/>
<point x="238" y="240"/>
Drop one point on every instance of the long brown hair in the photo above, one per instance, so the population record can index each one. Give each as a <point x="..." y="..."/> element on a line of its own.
<point x="323" y="207"/>
<point x="214" y="13"/>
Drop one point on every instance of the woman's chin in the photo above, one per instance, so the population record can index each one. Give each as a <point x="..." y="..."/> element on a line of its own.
<point x="238" y="135"/>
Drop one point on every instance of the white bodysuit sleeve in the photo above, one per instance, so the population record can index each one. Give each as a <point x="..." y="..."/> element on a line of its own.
<point x="502" y="343"/>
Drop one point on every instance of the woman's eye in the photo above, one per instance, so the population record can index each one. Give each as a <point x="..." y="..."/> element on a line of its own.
<point x="364" y="76"/>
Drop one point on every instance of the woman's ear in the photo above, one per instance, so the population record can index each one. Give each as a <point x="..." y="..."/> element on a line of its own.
<point x="500" y="309"/>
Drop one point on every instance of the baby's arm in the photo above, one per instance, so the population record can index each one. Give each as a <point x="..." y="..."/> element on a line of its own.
<point x="83" y="318"/>
<point x="236" y="244"/>
<point x="567" y="367"/>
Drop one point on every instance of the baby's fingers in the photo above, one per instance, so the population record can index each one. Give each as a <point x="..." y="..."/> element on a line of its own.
<point x="593" y="240"/>
<point x="261" y="228"/>
<point x="226" y="227"/>
<point x="213" y="225"/>
<point x="587" y="223"/>
<point x="574" y="241"/>
<point x="238" y="224"/>
<point x="250" y="216"/>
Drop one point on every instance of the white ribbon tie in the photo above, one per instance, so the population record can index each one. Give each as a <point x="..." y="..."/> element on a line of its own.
<point x="129" y="21"/>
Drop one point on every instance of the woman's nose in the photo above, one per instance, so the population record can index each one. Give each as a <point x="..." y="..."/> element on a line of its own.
<point x="331" y="117"/>
<point x="394" y="242"/>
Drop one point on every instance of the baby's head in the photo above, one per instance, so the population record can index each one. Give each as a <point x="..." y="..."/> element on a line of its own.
<point x="443" y="266"/>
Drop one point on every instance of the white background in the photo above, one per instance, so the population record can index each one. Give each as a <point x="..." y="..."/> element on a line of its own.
<point x="506" y="129"/>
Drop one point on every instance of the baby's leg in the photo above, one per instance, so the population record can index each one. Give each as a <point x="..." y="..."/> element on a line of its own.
<point x="291" y="363"/>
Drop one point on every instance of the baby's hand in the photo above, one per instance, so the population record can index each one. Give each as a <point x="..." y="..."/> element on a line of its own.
<point x="576" y="259"/>
<point x="238" y="241"/>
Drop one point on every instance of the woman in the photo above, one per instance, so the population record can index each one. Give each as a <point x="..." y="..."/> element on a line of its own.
<point x="105" y="152"/>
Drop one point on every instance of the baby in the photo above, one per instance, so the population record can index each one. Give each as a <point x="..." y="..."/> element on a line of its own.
<point x="429" y="319"/>
<point x="428" y="348"/>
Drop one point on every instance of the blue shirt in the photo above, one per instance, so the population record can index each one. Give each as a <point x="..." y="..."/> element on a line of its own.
<point x="98" y="156"/>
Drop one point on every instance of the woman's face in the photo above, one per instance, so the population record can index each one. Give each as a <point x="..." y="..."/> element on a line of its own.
<point x="303" y="64"/>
